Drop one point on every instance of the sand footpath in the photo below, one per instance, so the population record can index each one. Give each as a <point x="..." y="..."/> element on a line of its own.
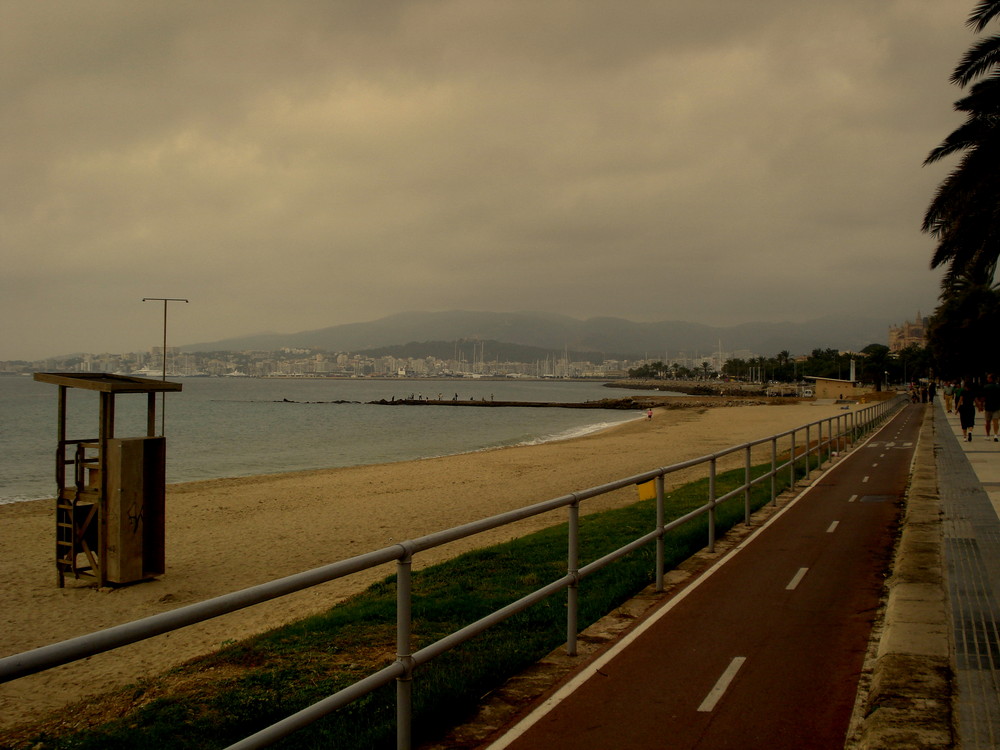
<point x="227" y="534"/>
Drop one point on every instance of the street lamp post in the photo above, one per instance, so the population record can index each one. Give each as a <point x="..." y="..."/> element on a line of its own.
<point x="163" y="401"/>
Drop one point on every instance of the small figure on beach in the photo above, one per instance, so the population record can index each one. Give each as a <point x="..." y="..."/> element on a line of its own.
<point x="649" y="414"/>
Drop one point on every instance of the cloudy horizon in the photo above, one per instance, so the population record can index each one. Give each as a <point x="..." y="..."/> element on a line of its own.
<point x="298" y="165"/>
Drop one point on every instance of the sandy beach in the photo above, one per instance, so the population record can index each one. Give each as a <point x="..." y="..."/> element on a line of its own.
<point x="227" y="534"/>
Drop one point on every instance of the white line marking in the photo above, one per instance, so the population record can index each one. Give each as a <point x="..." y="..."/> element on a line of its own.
<point x="566" y="690"/>
<point x="852" y="498"/>
<point x="720" y="687"/>
<point x="833" y="527"/>
<point x="796" y="579"/>
<point x="864" y="480"/>
<point x="875" y="464"/>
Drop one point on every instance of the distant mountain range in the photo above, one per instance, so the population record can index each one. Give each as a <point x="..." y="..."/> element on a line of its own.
<point x="614" y="337"/>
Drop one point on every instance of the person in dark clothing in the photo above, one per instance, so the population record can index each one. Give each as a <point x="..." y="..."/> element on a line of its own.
<point x="965" y="405"/>
<point x="991" y="406"/>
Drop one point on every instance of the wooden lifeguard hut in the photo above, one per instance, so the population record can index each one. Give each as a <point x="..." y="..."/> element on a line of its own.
<point x="110" y="501"/>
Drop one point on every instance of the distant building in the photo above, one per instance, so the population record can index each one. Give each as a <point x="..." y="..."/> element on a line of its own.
<point x="838" y="389"/>
<point x="909" y="333"/>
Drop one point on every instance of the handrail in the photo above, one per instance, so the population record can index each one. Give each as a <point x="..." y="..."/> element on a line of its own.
<point x="849" y="427"/>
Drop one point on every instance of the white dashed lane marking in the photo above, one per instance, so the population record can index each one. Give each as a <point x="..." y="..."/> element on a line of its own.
<point x="796" y="579"/>
<point x="723" y="683"/>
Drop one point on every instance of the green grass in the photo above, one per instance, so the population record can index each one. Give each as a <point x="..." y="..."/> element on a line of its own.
<point x="216" y="700"/>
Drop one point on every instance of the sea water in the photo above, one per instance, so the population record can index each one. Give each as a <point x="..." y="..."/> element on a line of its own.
<point x="231" y="427"/>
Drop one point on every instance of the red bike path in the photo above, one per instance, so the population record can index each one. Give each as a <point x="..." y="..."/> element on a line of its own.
<point x="765" y="649"/>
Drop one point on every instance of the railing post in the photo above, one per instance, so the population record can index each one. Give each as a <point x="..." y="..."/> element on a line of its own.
<point x="404" y="650"/>
<point x="746" y="487"/>
<point x="808" y="449"/>
<point x="794" y="458"/>
<point x="819" y="445"/>
<point x="711" y="504"/>
<point x="828" y="442"/>
<point x="774" y="469"/>
<point x="572" y="568"/>
<point x="660" y="523"/>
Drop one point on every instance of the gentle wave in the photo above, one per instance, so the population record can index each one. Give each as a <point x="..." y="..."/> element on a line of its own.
<point x="576" y="432"/>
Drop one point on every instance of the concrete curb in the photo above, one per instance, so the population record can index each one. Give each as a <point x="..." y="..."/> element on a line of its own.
<point x="909" y="697"/>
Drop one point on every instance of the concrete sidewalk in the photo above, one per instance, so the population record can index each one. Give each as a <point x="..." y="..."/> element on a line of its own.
<point x="935" y="679"/>
<point x="969" y="485"/>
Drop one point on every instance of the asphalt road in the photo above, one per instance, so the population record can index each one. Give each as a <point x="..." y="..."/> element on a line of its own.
<point x="766" y="649"/>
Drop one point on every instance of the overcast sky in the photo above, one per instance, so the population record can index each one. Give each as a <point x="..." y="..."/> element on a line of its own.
<point x="294" y="165"/>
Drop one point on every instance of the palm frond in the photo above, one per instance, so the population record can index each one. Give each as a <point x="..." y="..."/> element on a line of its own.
<point x="983" y="98"/>
<point x="984" y="12"/>
<point x="979" y="60"/>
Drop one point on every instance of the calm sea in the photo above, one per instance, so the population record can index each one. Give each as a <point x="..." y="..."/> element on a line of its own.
<point x="229" y="427"/>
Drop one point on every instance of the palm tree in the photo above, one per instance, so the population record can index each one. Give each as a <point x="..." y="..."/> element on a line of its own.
<point x="964" y="215"/>
<point x="963" y="327"/>
<point x="984" y="55"/>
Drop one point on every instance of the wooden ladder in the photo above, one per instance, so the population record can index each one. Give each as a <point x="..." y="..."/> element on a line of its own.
<point x="76" y="515"/>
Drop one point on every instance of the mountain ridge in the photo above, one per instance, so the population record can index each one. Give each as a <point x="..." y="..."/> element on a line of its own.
<point x="556" y="332"/>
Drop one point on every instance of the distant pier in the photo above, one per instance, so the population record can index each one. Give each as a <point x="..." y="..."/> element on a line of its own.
<point x="605" y="403"/>
<point x="615" y="404"/>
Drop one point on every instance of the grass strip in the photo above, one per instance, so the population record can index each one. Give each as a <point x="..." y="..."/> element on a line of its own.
<point x="218" y="699"/>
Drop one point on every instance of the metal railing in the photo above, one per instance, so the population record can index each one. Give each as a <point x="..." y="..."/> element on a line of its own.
<point x="842" y="431"/>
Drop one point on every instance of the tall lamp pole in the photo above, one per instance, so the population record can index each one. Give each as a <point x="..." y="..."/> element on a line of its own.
<point x="163" y="400"/>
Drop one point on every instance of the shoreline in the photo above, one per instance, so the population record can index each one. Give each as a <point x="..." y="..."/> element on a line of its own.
<point x="569" y="434"/>
<point x="654" y="402"/>
<point x="224" y="534"/>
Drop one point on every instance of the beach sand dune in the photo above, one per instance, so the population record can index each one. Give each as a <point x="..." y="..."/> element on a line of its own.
<point x="227" y="534"/>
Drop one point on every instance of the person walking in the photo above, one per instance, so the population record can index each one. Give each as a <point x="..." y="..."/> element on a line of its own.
<point x="991" y="406"/>
<point x="965" y="405"/>
<point x="949" y="397"/>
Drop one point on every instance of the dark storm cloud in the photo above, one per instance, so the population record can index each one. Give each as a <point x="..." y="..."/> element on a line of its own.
<point x="294" y="165"/>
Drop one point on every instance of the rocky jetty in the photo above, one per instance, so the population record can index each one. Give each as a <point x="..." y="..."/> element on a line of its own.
<point x="621" y="404"/>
